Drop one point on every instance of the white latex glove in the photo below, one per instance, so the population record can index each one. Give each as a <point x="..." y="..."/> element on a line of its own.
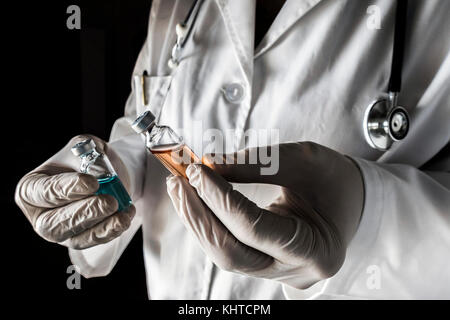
<point x="299" y="239"/>
<point x="61" y="203"/>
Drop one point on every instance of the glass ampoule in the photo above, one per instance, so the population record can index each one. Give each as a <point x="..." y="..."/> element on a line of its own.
<point x="165" y="144"/>
<point x="98" y="165"/>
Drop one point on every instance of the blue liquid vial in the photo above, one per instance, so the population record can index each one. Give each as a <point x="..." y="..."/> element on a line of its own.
<point x="98" y="165"/>
<point x="114" y="187"/>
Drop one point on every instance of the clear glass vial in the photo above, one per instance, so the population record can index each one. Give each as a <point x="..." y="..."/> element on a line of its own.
<point x="98" y="165"/>
<point x="165" y="144"/>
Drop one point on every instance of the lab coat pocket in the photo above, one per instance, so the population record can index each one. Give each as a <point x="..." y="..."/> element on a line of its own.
<point x="150" y="93"/>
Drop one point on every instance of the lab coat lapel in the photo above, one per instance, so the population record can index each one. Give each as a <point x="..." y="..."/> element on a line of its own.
<point x="239" y="19"/>
<point x="291" y="12"/>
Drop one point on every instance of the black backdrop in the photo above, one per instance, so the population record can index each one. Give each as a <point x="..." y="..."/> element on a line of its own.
<point x="64" y="82"/>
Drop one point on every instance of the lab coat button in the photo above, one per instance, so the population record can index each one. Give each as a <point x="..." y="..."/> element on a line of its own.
<point x="234" y="92"/>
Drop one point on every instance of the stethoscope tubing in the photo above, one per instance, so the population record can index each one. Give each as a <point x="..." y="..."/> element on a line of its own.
<point x="190" y="19"/>
<point x="395" y="82"/>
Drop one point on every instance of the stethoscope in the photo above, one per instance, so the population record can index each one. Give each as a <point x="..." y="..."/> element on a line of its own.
<point x="385" y="122"/>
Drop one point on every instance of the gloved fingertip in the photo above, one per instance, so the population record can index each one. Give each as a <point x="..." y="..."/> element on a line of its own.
<point x="130" y="212"/>
<point x="172" y="183"/>
<point x="120" y="224"/>
<point x="192" y="171"/>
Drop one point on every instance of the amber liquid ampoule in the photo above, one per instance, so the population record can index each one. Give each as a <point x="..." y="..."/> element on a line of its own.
<point x="175" y="158"/>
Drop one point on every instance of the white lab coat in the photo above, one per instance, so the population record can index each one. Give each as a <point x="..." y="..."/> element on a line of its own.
<point x="311" y="78"/>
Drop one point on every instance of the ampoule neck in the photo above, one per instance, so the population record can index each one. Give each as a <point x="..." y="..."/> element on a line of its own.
<point x="88" y="159"/>
<point x="90" y="154"/>
<point x="154" y="125"/>
<point x="161" y="137"/>
<point x="153" y="129"/>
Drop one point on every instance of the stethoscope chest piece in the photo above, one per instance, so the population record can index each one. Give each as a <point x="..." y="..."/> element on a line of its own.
<point x="385" y="123"/>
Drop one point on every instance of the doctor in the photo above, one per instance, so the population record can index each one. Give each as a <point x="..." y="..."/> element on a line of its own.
<point x="338" y="220"/>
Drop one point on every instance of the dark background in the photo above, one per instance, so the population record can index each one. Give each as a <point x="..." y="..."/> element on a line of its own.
<point x="63" y="83"/>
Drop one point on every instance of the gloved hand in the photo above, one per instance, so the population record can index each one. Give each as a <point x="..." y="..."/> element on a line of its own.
<point x="61" y="203"/>
<point x="299" y="239"/>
